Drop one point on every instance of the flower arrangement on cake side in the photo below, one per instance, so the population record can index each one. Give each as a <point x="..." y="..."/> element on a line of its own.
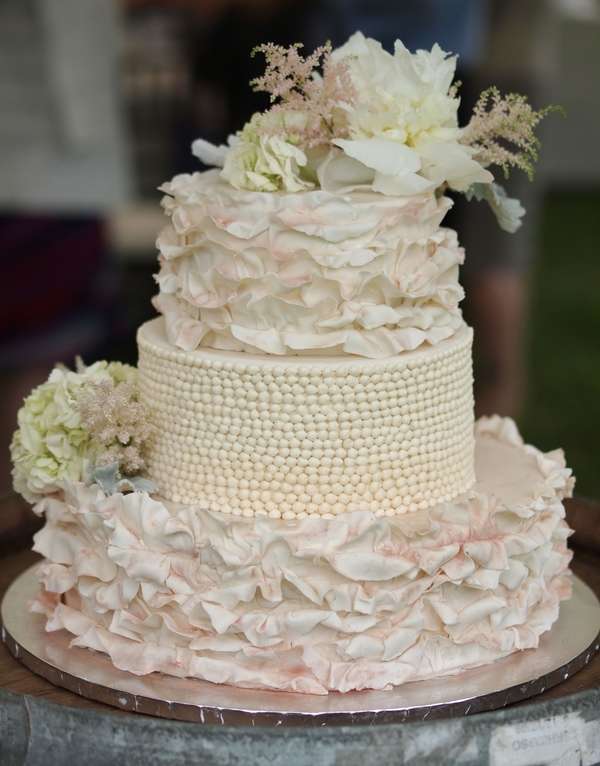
<point x="85" y="426"/>
<point x="380" y="121"/>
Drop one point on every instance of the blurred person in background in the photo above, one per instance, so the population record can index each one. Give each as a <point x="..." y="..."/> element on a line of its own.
<point x="212" y="41"/>
<point x="63" y="166"/>
<point x="519" y="55"/>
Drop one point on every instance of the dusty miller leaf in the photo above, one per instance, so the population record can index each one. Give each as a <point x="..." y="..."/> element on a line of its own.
<point x="508" y="210"/>
<point x="109" y="478"/>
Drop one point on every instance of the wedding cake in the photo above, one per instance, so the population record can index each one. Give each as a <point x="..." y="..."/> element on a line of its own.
<point x="290" y="491"/>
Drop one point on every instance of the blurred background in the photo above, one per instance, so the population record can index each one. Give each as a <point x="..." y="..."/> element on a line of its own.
<point x="101" y="100"/>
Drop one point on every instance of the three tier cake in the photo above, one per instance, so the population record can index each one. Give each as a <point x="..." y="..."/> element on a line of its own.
<point x="290" y="492"/>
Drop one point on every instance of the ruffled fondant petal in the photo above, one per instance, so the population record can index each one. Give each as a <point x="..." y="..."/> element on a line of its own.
<point x="361" y="274"/>
<point x="312" y="605"/>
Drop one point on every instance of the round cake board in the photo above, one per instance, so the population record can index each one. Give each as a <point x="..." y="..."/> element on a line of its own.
<point x="564" y="650"/>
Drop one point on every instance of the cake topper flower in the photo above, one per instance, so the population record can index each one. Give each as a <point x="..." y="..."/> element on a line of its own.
<point x="270" y="152"/>
<point x="375" y="120"/>
<point x="75" y="423"/>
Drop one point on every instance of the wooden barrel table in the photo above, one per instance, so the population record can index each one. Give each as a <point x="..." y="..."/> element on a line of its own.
<point x="44" y="724"/>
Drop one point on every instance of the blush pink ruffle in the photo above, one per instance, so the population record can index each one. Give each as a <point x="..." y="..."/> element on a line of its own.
<point x="314" y="605"/>
<point x="308" y="272"/>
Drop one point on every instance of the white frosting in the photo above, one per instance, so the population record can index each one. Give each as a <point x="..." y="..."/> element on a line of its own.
<point x="360" y="273"/>
<point x="316" y="604"/>
<point x="248" y="434"/>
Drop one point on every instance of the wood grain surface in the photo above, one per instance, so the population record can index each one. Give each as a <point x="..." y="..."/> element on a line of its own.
<point x="583" y="516"/>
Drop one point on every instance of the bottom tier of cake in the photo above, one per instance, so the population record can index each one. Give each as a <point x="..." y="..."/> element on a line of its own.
<point x="314" y="605"/>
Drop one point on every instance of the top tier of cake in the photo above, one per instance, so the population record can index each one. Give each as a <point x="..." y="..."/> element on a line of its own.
<point x="321" y="233"/>
<point x="307" y="272"/>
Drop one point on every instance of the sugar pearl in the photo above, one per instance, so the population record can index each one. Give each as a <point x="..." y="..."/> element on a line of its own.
<point x="292" y="438"/>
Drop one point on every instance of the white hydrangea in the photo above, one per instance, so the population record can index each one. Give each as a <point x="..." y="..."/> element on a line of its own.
<point x="260" y="157"/>
<point x="50" y="444"/>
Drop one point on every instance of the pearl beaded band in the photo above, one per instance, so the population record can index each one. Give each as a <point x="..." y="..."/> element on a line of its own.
<point x="308" y="436"/>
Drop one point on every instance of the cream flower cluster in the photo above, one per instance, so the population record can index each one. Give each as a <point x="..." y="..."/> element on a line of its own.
<point x="52" y="444"/>
<point x="399" y="132"/>
<point x="361" y="274"/>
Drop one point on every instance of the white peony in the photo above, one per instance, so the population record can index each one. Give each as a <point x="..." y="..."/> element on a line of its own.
<point x="260" y="157"/>
<point x="402" y="124"/>
<point x="50" y="443"/>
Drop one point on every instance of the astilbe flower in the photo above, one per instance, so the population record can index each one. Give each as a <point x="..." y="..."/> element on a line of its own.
<point x="117" y="423"/>
<point x="295" y="85"/>
<point x="501" y="131"/>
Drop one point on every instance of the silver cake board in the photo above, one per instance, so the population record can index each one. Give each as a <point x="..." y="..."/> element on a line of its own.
<point x="568" y="647"/>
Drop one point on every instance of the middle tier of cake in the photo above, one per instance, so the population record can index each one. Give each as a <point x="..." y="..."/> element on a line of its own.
<point x="294" y="437"/>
